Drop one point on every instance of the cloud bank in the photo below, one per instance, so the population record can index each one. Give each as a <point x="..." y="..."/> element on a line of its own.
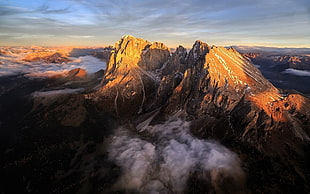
<point x="297" y="72"/>
<point x="164" y="158"/>
<point x="14" y="64"/>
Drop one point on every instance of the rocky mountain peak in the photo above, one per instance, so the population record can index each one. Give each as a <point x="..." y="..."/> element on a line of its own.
<point x="207" y="81"/>
<point x="162" y="100"/>
<point x="198" y="50"/>
<point x="131" y="52"/>
<point x="132" y="73"/>
<point x="221" y="93"/>
<point x="180" y="50"/>
<point x="48" y="57"/>
<point x="227" y="68"/>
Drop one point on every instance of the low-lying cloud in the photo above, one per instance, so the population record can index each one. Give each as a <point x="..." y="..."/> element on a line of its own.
<point x="162" y="158"/>
<point x="54" y="93"/>
<point x="297" y="72"/>
<point x="14" y="64"/>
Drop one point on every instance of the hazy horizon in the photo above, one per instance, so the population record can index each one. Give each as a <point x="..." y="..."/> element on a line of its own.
<point x="93" y="23"/>
<point x="171" y="47"/>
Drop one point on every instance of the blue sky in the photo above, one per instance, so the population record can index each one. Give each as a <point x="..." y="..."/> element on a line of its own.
<point x="281" y="23"/>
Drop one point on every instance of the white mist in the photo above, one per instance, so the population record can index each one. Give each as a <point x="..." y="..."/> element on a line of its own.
<point x="161" y="158"/>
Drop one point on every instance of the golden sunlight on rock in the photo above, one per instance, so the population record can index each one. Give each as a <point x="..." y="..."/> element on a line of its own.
<point x="127" y="79"/>
<point x="48" y="56"/>
<point x="151" y="121"/>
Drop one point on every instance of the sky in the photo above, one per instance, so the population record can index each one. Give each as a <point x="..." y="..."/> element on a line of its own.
<point x="278" y="23"/>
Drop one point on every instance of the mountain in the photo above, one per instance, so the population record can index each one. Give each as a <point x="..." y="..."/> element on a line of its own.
<point x="214" y="81"/>
<point x="48" y="57"/>
<point x="149" y="125"/>
<point x="221" y="92"/>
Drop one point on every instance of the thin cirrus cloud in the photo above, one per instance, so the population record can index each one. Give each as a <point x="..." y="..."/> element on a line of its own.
<point x="284" y="23"/>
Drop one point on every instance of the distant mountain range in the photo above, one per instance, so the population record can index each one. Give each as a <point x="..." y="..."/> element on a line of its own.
<point x="273" y="50"/>
<point x="285" y="68"/>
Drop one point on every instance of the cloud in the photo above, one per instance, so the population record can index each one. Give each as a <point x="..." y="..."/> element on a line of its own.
<point x="56" y="93"/>
<point x="6" y="10"/>
<point x="231" y="22"/>
<point x="11" y="10"/>
<point x="166" y="155"/>
<point x="46" y="9"/>
<point x="89" y="63"/>
<point x="297" y="72"/>
<point x="13" y="64"/>
<point x="80" y="36"/>
<point x="246" y="21"/>
<point x="47" y="97"/>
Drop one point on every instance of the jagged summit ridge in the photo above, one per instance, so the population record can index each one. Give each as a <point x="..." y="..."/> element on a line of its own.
<point x="214" y="92"/>
<point x="131" y="74"/>
<point x="206" y="82"/>
<point x="228" y="69"/>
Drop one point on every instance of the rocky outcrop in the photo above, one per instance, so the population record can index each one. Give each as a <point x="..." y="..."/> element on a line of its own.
<point x="300" y="63"/>
<point x="222" y="86"/>
<point x="104" y="54"/>
<point x="287" y="61"/>
<point x="284" y="70"/>
<point x="131" y="77"/>
<point x="47" y="57"/>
